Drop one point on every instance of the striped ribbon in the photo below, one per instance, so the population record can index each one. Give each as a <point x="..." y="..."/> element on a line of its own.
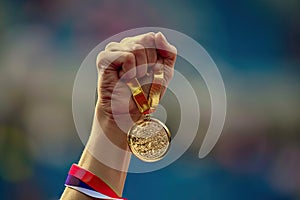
<point x="89" y="184"/>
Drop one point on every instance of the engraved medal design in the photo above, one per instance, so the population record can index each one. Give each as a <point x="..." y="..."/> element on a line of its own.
<point x="148" y="139"/>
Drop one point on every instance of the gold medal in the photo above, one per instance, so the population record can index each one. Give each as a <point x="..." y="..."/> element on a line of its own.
<point x="148" y="139"/>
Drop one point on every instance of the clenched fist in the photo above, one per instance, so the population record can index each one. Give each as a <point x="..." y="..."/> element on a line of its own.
<point x="133" y="57"/>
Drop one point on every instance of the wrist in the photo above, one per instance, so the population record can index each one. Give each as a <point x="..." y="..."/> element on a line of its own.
<point x="114" y="178"/>
<point x="107" y="144"/>
<point x="86" y="182"/>
<point x="107" y="130"/>
<point x="107" y="154"/>
<point x="115" y="127"/>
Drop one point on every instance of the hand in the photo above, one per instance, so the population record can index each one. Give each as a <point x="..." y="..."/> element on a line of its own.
<point x="133" y="57"/>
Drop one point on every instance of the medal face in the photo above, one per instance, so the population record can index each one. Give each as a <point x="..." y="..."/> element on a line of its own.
<point x="149" y="139"/>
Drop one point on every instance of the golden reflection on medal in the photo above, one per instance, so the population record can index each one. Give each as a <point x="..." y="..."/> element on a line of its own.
<point x="148" y="139"/>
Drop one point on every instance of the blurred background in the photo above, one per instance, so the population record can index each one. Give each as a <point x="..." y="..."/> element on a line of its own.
<point x="255" y="44"/>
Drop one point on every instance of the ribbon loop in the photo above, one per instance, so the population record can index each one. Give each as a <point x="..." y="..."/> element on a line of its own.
<point x="138" y="95"/>
<point x="147" y="106"/>
<point x="156" y="88"/>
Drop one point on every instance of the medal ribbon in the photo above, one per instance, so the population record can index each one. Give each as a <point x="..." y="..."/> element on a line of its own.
<point x="147" y="106"/>
<point x="89" y="184"/>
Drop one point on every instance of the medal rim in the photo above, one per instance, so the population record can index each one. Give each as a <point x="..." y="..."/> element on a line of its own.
<point x="129" y="136"/>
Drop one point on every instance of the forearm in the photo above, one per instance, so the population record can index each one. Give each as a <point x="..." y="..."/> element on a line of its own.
<point x="99" y="148"/>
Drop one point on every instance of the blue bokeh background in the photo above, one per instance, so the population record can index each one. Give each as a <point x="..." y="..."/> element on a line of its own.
<point x="255" y="44"/>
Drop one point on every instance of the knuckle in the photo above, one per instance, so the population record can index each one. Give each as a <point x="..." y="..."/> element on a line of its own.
<point x="111" y="46"/>
<point x="100" y="57"/>
<point x="138" y="51"/>
<point x="148" y="40"/>
<point x="130" y="58"/>
<point x="137" y="47"/>
<point x="101" y="60"/>
<point x="150" y="35"/>
<point x="124" y="40"/>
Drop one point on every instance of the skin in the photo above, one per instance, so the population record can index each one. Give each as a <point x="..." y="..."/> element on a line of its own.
<point x="133" y="57"/>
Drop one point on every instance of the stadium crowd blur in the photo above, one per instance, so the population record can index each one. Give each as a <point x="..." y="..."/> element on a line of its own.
<point x="255" y="44"/>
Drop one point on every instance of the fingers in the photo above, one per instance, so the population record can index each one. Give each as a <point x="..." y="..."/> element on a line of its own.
<point x="135" y="46"/>
<point x="148" y="42"/>
<point x="128" y="64"/>
<point x="165" y="50"/>
<point x="124" y="63"/>
<point x="132" y="56"/>
<point x="140" y="59"/>
<point x="168" y="54"/>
